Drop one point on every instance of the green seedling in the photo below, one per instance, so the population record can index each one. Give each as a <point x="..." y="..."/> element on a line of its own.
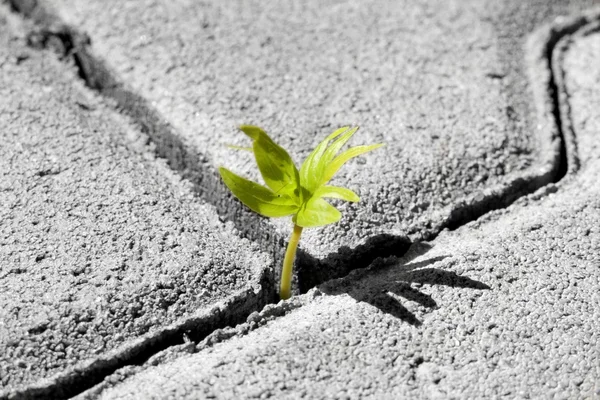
<point x="291" y="192"/>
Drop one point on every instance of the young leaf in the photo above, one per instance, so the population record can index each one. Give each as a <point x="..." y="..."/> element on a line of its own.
<point x="254" y="132"/>
<point x="234" y="147"/>
<point x="316" y="212"/>
<point x="340" y="160"/>
<point x="311" y="171"/>
<point x="275" y="164"/>
<point x="258" y="198"/>
<point x="335" y="192"/>
<point x="335" y="147"/>
<point x="276" y="167"/>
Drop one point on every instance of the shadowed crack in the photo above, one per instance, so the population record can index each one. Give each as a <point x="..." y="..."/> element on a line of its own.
<point x="389" y="281"/>
<point x="85" y="375"/>
<point x="197" y="168"/>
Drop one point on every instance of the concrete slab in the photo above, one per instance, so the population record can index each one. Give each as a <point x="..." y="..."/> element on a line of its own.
<point x="105" y="253"/>
<point x="443" y="84"/>
<point x="504" y="307"/>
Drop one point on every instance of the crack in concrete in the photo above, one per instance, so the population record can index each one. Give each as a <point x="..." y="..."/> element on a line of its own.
<point x="84" y="376"/>
<point x="545" y="49"/>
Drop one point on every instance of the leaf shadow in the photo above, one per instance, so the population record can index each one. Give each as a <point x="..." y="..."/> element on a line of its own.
<point x="387" y="281"/>
<point x="311" y="272"/>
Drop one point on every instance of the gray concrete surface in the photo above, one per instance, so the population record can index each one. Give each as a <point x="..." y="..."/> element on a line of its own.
<point x="443" y="84"/>
<point x="504" y="307"/>
<point x="102" y="247"/>
<point x="107" y="256"/>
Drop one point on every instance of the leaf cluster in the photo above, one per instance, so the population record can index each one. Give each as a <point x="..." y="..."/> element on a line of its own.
<point x="290" y="191"/>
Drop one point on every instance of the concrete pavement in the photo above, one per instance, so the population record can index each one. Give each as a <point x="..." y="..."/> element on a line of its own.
<point x="474" y="117"/>
<point x="505" y="307"/>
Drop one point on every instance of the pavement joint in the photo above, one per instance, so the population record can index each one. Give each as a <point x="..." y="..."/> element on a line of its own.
<point x="194" y="329"/>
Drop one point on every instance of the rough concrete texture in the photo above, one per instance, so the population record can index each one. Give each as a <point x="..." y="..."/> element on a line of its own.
<point x="443" y="84"/>
<point x="504" y="307"/>
<point x="100" y="243"/>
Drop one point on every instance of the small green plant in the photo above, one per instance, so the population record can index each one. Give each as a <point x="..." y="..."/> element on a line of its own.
<point x="292" y="192"/>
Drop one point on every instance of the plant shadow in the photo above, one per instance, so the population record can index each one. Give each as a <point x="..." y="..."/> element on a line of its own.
<point x="311" y="272"/>
<point x="385" y="281"/>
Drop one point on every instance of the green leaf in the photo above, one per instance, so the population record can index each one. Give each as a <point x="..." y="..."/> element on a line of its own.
<point x="336" y="192"/>
<point x="275" y="164"/>
<point x="335" y="147"/>
<point x="257" y="197"/>
<point x="254" y="132"/>
<point x="312" y="169"/>
<point x="340" y="160"/>
<point x="234" y="147"/>
<point x="316" y="212"/>
<point x="276" y="167"/>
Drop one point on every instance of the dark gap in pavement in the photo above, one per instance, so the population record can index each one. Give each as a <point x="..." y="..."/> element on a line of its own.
<point x="74" y="382"/>
<point x="198" y="169"/>
<point x="568" y="162"/>
<point x="469" y="212"/>
<point x="520" y="186"/>
<point x="312" y="272"/>
<point x="563" y="166"/>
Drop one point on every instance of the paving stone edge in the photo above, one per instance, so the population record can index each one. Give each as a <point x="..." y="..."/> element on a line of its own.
<point x="229" y="312"/>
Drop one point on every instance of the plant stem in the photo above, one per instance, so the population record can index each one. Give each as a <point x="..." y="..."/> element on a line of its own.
<point x="285" y="288"/>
